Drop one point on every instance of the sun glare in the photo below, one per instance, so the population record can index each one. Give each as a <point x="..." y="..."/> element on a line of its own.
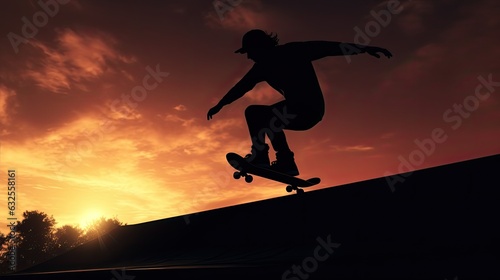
<point x="89" y="217"/>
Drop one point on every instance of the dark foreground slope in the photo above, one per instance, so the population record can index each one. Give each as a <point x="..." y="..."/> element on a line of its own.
<point x="439" y="223"/>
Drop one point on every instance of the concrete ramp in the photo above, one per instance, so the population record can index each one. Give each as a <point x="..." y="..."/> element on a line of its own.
<point x="437" y="223"/>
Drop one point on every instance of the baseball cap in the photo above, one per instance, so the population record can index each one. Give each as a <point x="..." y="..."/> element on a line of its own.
<point x="251" y="39"/>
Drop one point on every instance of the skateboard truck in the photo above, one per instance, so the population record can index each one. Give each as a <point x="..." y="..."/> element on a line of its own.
<point x="249" y="178"/>
<point x="238" y="174"/>
<point x="244" y="169"/>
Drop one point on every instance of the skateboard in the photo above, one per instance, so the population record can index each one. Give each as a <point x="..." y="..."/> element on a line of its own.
<point x="245" y="169"/>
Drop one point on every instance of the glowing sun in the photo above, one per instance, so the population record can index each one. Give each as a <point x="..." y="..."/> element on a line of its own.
<point x="89" y="218"/>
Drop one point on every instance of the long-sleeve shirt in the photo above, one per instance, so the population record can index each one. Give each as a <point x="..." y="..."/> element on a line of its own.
<point x="288" y="69"/>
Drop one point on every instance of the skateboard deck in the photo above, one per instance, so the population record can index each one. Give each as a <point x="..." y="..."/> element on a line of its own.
<point x="245" y="169"/>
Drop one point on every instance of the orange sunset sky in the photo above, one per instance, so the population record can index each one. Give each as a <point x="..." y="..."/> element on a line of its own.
<point x="83" y="146"/>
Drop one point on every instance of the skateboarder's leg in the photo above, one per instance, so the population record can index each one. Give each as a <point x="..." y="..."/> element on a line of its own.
<point x="271" y="120"/>
<point x="257" y="117"/>
<point x="278" y="141"/>
<point x="286" y="118"/>
<point x="279" y="121"/>
<point x="263" y="120"/>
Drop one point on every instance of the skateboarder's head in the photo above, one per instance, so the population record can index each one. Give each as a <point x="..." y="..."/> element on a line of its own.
<point x="255" y="41"/>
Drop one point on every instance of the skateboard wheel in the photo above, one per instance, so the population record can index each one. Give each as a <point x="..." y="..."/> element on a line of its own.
<point x="248" y="178"/>
<point x="289" y="188"/>
<point x="236" y="175"/>
<point x="300" y="191"/>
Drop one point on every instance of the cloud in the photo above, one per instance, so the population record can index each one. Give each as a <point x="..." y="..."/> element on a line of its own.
<point x="357" y="148"/>
<point x="175" y="168"/>
<point x="241" y="17"/>
<point x="417" y="68"/>
<point x="316" y="146"/>
<point x="6" y="106"/>
<point x="121" y="112"/>
<point x="457" y="61"/>
<point x="176" y="119"/>
<point x="412" y="19"/>
<point x="205" y="140"/>
<point x="180" y="107"/>
<point x="76" y="57"/>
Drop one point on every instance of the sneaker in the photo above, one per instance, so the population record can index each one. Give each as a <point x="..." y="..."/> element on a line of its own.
<point x="259" y="157"/>
<point x="285" y="163"/>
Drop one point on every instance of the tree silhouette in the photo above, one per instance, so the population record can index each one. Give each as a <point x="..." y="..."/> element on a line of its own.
<point x="36" y="238"/>
<point x="100" y="227"/>
<point x="39" y="240"/>
<point x="66" y="238"/>
<point x="4" y="263"/>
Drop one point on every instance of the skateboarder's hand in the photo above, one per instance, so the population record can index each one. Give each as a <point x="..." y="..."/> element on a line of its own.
<point x="214" y="110"/>
<point x="373" y="51"/>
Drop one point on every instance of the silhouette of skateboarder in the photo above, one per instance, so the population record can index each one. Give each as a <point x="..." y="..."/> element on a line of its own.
<point x="288" y="69"/>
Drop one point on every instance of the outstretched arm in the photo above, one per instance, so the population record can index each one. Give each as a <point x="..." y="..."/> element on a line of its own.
<point x="233" y="94"/>
<point x="319" y="49"/>
<point x="373" y="51"/>
<point x="246" y="84"/>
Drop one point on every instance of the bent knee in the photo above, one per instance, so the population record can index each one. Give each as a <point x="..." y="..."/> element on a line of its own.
<point x="304" y="123"/>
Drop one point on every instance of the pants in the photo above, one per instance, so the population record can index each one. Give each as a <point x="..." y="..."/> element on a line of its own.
<point x="271" y="120"/>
